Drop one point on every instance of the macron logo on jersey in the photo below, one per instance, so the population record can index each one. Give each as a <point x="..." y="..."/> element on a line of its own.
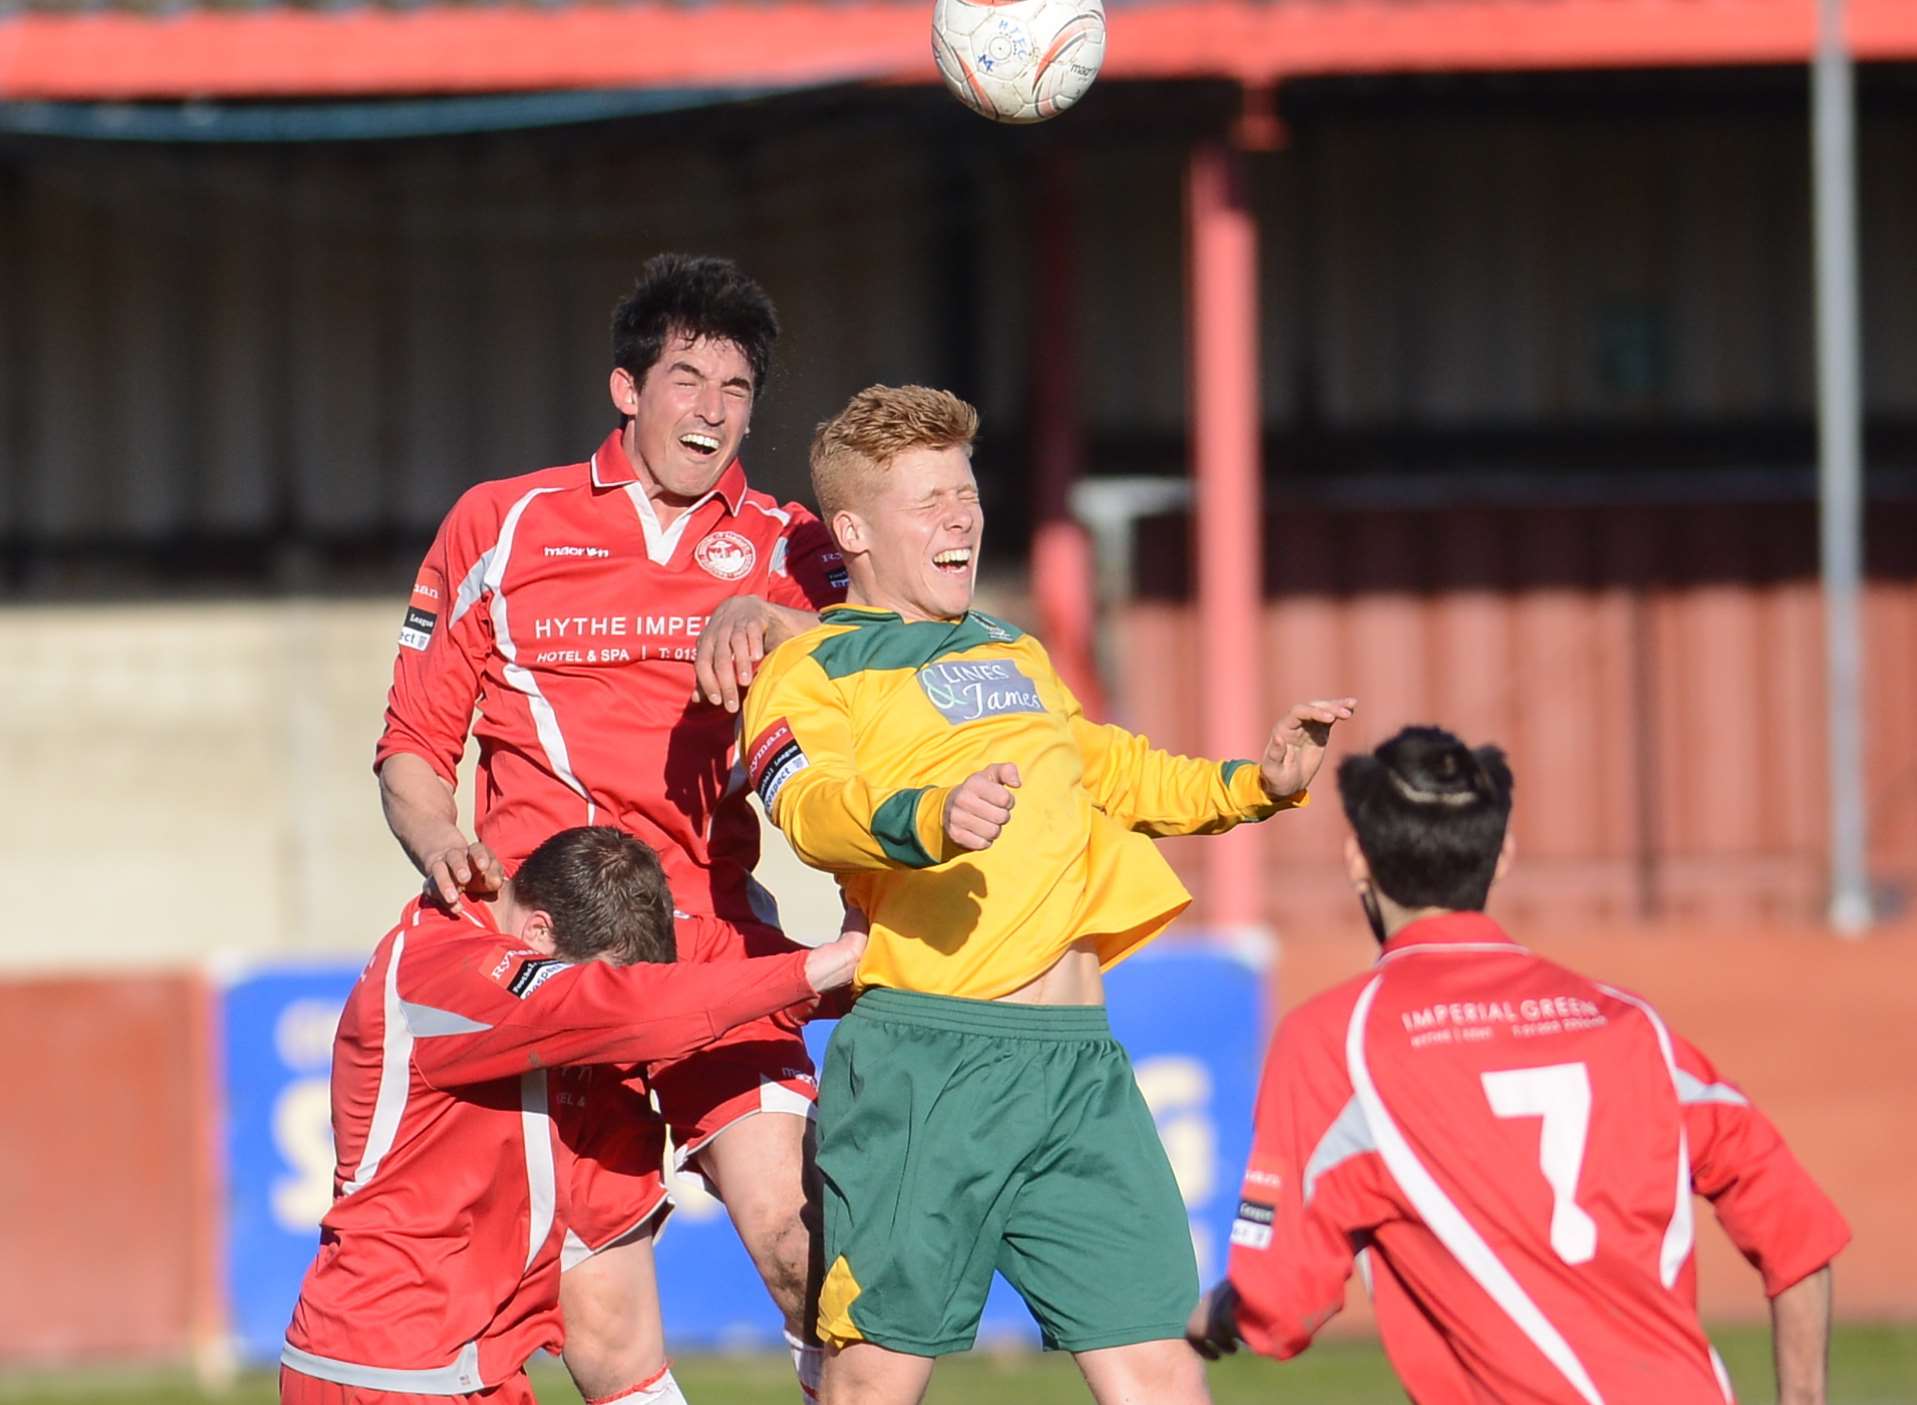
<point x="775" y="758"/>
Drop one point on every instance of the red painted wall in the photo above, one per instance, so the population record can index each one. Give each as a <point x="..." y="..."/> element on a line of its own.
<point x="106" y="1186"/>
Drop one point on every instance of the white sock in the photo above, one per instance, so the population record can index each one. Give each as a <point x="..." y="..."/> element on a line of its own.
<point x="809" y="1362"/>
<point x="661" y="1389"/>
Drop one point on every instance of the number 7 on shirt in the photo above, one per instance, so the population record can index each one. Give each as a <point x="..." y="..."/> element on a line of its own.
<point x="1560" y="1094"/>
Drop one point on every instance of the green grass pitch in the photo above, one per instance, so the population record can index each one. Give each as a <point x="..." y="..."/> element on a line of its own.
<point x="1870" y="1365"/>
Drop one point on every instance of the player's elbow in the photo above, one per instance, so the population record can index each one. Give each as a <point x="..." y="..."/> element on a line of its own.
<point x="408" y="764"/>
<point x="837" y="859"/>
<point x="832" y="847"/>
<point x="818" y="847"/>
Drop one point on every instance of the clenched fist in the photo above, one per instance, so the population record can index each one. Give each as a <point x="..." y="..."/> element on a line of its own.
<point x="980" y="805"/>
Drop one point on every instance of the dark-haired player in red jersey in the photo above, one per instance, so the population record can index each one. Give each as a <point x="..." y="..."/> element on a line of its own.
<point x="569" y="606"/>
<point x="438" y="1268"/>
<point x="1512" y="1147"/>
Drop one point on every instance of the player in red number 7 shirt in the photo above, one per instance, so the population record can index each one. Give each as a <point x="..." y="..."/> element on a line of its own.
<point x="1513" y="1147"/>
<point x="572" y="610"/>
<point x="439" y="1262"/>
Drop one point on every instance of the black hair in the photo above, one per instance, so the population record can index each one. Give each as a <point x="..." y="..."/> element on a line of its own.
<point x="1430" y="814"/>
<point x="693" y="295"/>
<point x="606" y="894"/>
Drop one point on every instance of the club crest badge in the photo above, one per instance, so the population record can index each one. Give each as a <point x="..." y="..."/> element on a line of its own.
<point x="726" y="555"/>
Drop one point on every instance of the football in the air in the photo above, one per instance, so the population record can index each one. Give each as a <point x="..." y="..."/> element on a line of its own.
<point x="1018" y="60"/>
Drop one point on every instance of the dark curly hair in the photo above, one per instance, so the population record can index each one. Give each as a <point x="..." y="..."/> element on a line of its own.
<point x="694" y="295"/>
<point x="1429" y="814"/>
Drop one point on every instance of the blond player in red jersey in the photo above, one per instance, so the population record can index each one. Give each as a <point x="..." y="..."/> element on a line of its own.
<point x="438" y="1268"/>
<point x="1512" y="1147"/>
<point x="572" y="609"/>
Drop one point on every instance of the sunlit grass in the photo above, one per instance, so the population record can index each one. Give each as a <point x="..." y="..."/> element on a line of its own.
<point x="1870" y="1365"/>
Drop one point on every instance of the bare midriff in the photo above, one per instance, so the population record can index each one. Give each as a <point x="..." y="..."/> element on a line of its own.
<point x="1073" y="979"/>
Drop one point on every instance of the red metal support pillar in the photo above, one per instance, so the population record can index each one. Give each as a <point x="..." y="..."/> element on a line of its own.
<point x="1227" y="430"/>
<point x="1063" y="570"/>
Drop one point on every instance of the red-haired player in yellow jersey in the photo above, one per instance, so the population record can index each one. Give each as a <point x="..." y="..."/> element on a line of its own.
<point x="975" y="1113"/>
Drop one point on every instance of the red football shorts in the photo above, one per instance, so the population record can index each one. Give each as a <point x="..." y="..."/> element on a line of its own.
<point x="618" y="1182"/>
<point x="297" y="1388"/>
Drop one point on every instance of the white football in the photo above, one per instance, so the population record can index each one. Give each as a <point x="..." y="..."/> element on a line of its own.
<point x="1018" y="60"/>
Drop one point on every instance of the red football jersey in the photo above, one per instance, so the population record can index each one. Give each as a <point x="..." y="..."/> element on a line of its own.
<point x="438" y="1268"/>
<point x="1514" y="1148"/>
<point x="558" y="605"/>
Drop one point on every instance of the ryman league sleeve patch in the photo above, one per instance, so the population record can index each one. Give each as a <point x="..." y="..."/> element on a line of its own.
<point x="773" y="759"/>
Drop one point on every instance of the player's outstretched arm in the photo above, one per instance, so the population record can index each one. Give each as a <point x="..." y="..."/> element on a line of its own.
<point x="1298" y="743"/>
<point x="423" y="815"/>
<point x="1159" y="793"/>
<point x="547" y="1013"/>
<point x="1800" y="1339"/>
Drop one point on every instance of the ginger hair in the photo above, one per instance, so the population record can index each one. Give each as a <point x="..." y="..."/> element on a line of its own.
<point x="855" y="446"/>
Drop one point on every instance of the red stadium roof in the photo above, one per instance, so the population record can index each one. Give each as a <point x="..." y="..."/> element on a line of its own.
<point x="53" y="49"/>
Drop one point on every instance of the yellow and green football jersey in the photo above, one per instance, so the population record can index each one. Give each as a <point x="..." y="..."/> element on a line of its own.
<point x="856" y="732"/>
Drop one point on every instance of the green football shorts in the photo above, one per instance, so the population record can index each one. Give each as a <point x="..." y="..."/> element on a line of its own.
<point x="961" y="1136"/>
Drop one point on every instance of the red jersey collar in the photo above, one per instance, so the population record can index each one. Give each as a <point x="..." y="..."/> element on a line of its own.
<point x="612" y="469"/>
<point x="1448" y="929"/>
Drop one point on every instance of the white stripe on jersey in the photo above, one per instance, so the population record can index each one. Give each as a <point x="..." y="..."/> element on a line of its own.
<point x="1723" y="1378"/>
<point x="472" y="587"/>
<point x="1446" y="1221"/>
<point x="395" y="1073"/>
<point x="573" y="1251"/>
<point x="1345" y="1138"/>
<point x="777" y="514"/>
<point x="1426" y="948"/>
<point x="461" y="1377"/>
<point x="545" y="720"/>
<point x="536" y="1128"/>
<point x="780" y="543"/>
<point x="1679" y="1234"/>
<point x="1692" y="1089"/>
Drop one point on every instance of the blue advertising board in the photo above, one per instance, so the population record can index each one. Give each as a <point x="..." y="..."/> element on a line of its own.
<point x="1192" y="1017"/>
<point x="277" y="1047"/>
